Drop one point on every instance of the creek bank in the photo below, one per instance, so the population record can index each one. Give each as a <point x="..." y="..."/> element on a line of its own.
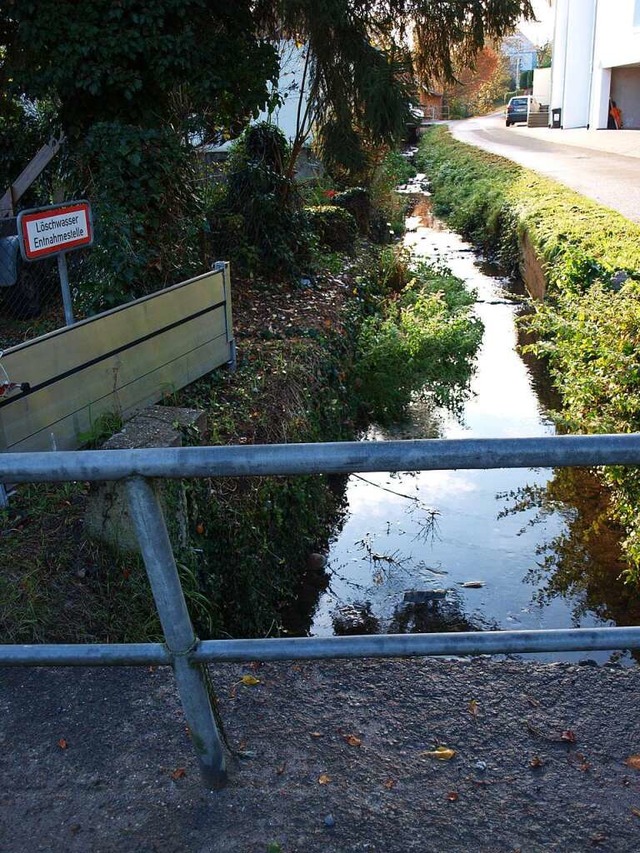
<point x="243" y="545"/>
<point x="586" y="328"/>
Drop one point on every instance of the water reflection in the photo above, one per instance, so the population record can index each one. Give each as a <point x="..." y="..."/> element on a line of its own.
<point x="584" y="564"/>
<point x="521" y="549"/>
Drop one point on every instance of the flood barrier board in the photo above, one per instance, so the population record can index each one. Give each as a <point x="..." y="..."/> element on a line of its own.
<point x="118" y="362"/>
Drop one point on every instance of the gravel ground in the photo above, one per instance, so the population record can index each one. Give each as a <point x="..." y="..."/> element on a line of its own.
<point x="99" y="760"/>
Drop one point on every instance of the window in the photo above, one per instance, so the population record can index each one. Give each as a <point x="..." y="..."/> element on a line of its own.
<point x="636" y="13"/>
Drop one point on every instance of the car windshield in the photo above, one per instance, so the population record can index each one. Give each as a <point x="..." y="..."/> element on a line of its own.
<point x="518" y="102"/>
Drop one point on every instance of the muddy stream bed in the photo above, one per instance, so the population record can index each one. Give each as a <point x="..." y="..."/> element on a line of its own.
<point x="476" y="550"/>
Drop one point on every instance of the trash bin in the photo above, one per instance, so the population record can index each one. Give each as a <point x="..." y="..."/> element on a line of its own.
<point x="556" y="118"/>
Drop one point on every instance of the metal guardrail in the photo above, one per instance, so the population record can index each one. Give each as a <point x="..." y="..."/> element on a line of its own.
<point x="188" y="655"/>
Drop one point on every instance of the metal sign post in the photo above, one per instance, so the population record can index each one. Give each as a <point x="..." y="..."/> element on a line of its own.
<point x="56" y="230"/>
<point x="66" y="291"/>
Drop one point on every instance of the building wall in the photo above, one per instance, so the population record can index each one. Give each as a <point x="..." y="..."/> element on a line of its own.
<point x="596" y="56"/>
<point x="575" y="28"/>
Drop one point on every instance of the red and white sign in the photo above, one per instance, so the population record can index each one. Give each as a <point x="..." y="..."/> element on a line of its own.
<point x="51" y="230"/>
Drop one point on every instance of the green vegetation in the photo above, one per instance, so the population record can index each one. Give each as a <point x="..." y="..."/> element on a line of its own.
<point x="300" y="378"/>
<point x="587" y="327"/>
<point x="134" y="85"/>
<point x="335" y="228"/>
<point x="425" y="341"/>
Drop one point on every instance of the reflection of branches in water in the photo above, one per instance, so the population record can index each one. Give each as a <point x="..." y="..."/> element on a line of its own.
<point x="427" y="522"/>
<point x="530" y="497"/>
<point x="583" y="564"/>
<point x="382" y="564"/>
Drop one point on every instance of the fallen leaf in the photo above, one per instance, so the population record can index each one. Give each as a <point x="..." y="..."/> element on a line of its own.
<point x="281" y="768"/>
<point x="583" y="764"/>
<point x="316" y="734"/>
<point x="473" y="707"/>
<point x="389" y="784"/>
<point x="568" y="736"/>
<point x="249" y="680"/>
<point x="442" y="753"/>
<point x="178" y="773"/>
<point x="452" y="796"/>
<point x="62" y="743"/>
<point x="323" y="779"/>
<point x="635" y="811"/>
<point x="633" y="761"/>
<point x="352" y="740"/>
<point x="536" y="761"/>
<point x="200" y="528"/>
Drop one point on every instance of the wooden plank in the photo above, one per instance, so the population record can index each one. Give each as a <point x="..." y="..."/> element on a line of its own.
<point x="119" y="361"/>
<point x="28" y="175"/>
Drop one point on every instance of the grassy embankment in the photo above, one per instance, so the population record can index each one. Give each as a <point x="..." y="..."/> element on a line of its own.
<point x="588" y="326"/>
<point x="312" y="361"/>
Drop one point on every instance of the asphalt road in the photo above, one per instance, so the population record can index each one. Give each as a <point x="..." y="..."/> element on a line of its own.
<point x="610" y="178"/>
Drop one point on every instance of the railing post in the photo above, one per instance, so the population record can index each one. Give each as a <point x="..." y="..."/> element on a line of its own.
<point x="180" y="637"/>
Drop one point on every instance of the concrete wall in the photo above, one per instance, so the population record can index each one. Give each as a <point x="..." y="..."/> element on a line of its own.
<point x="542" y="85"/>
<point x="579" y="38"/>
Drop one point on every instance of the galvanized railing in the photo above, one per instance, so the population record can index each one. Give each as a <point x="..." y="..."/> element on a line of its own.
<point x="188" y="655"/>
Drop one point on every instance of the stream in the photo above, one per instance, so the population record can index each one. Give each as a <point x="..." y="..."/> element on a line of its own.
<point x="475" y="550"/>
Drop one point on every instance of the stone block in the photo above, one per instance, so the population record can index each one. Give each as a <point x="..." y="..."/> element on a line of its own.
<point x="107" y="516"/>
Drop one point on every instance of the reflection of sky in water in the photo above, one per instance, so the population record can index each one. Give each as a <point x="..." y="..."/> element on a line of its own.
<point x="470" y="542"/>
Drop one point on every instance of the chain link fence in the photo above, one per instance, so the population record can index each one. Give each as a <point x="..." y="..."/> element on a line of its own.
<point x="25" y="287"/>
<point x="30" y="300"/>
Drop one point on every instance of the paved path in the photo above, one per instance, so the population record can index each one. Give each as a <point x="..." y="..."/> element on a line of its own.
<point x="98" y="761"/>
<point x="603" y="165"/>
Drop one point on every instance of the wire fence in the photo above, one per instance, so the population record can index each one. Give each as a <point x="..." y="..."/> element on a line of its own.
<point x="26" y="288"/>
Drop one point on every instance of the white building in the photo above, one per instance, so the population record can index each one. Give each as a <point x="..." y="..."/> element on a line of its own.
<point x="596" y="58"/>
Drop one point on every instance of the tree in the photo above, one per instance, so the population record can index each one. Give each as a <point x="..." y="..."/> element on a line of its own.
<point x="141" y="77"/>
<point x="136" y="62"/>
<point x="477" y="89"/>
<point x="362" y="57"/>
<point x="544" y="55"/>
<point x="132" y="81"/>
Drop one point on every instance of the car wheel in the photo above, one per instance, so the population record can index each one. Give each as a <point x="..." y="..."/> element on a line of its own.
<point x="508" y="123"/>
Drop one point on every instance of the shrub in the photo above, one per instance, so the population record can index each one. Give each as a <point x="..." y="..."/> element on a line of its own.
<point x="357" y="202"/>
<point x="425" y="344"/>
<point x="148" y="223"/>
<point x="334" y="227"/>
<point x="256" y="219"/>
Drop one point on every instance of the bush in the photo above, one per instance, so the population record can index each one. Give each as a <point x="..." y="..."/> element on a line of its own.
<point x="357" y="202"/>
<point x="148" y="222"/>
<point x="335" y="228"/>
<point x="425" y="344"/>
<point x="256" y="218"/>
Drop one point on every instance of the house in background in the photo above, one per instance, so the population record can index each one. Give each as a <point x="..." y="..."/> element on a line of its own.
<point x="521" y="54"/>
<point x="432" y="103"/>
<point x="596" y="58"/>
